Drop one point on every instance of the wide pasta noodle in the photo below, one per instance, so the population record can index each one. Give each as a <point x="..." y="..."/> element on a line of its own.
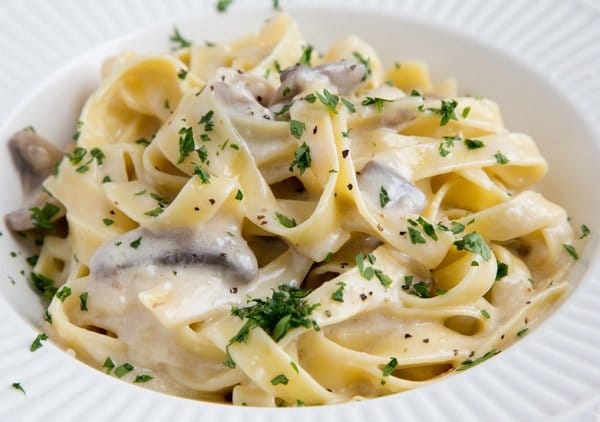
<point x="227" y="171"/>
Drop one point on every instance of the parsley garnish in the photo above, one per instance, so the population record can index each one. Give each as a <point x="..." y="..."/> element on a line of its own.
<point x="297" y="128"/>
<point x="389" y="367"/>
<point x="123" y="369"/>
<point x="427" y="228"/>
<point x="365" y="272"/>
<point x="77" y="133"/>
<point x="136" y="243"/>
<point x="348" y="105"/>
<point x="485" y="314"/>
<point x="471" y="363"/>
<point x="501" y="271"/>
<point x="63" y="293"/>
<point x="294" y="367"/>
<point x="383" y="278"/>
<point x="447" y="143"/>
<point x="43" y="284"/>
<point x="311" y="98"/>
<point x="41" y="217"/>
<point x="222" y="5"/>
<point x="366" y="62"/>
<point x="202" y="174"/>
<point x="338" y="294"/>
<point x="155" y="212"/>
<point x="329" y="100"/>
<point x="142" y="378"/>
<point x="522" y="332"/>
<point x="182" y="74"/>
<point x="186" y="143"/>
<point x="17" y="386"/>
<point x="446" y="111"/>
<point x="302" y="158"/>
<point x="239" y="195"/>
<point x="143" y="141"/>
<point x="384" y="198"/>
<point x="202" y="153"/>
<point x="108" y="364"/>
<point x="285" y="221"/>
<point x="284" y="109"/>
<point x="287" y="308"/>
<point x="501" y="158"/>
<point x="83" y="301"/>
<point x="420" y="289"/>
<point x="571" y="251"/>
<point x="465" y="112"/>
<point x="106" y="179"/>
<point x="474" y="242"/>
<point x="108" y="221"/>
<point x="280" y="379"/>
<point x="37" y="343"/>
<point x="379" y="102"/>
<point x="48" y="317"/>
<point x="415" y="236"/>
<point x="473" y="143"/>
<point x="32" y="260"/>
<point x="207" y="120"/>
<point x="585" y="231"/>
<point x="177" y="40"/>
<point x="306" y="55"/>
<point x="98" y="154"/>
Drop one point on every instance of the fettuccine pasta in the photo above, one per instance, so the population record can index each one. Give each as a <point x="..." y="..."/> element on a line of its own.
<point x="258" y="223"/>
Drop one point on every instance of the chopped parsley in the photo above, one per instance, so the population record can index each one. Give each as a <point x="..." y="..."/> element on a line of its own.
<point x="571" y="251"/>
<point x="186" y="143"/>
<point x="306" y="55"/>
<point x="294" y="367"/>
<point x="447" y="143"/>
<point x="446" y="111"/>
<point x="43" y="284"/>
<point x="37" y="343"/>
<point x="415" y="236"/>
<point x="348" y="105"/>
<point x="501" y="158"/>
<point x="465" y="112"/>
<point x="383" y="278"/>
<point x="474" y="243"/>
<point x="384" y="198"/>
<point x="48" y="317"/>
<point x="222" y="5"/>
<point x="522" y="332"/>
<point x="473" y="143"/>
<point x="207" y="120"/>
<point x="311" y="98"/>
<point x="108" y="221"/>
<point x="585" y="231"/>
<point x="280" y="379"/>
<point x="63" y="293"/>
<point x="379" y="102"/>
<point x="285" y="221"/>
<point x="108" y="364"/>
<point x="202" y="174"/>
<point x="420" y="289"/>
<point x="287" y="308"/>
<point x="155" y="212"/>
<point x="182" y="74"/>
<point x="297" y="128"/>
<point x="77" y="133"/>
<point x="389" y="367"/>
<point x="338" y="294"/>
<point x="202" y="153"/>
<point x="485" y="314"/>
<point x="106" y="179"/>
<point x="284" y="109"/>
<point x="41" y="217"/>
<point x="142" y="141"/>
<point x="98" y="154"/>
<point x="427" y="228"/>
<point x="471" y="363"/>
<point x="83" y="301"/>
<point x="136" y="243"/>
<point x="17" y="386"/>
<point x="366" y="62"/>
<point x="32" y="260"/>
<point x="239" y="195"/>
<point x="123" y="369"/>
<point x="501" y="271"/>
<point x="302" y="158"/>
<point x="365" y="272"/>
<point x="177" y="40"/>
<point x="329" y="100"/>
<point x="142" y="378"/>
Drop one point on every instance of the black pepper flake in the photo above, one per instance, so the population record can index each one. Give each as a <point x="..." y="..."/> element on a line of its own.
<point x="315" y="130"/>
<point x="526" y="320"/>
<point x="345" y="153"/>
<point x="352" y="67"/>
<point x="260" y="217"/>
<point x="264" y="222"/>
<point x="330" y="390"/>
<point x="528" y="302"/>
<point x="240" y="71"/>
<point x="212" y="88"/>
<point x="363" y="296"/>
<point x="349" y="186"/>
<point x="425" y="340"/>
<point x="370" y="293"/>
<point x="379" y="227"/>
<point x="327" y="313"/>
<point x="266" y="116"/>
<point x="472" y="353"/>
<point x="258" y="98"/>
<point x="407" y="335"/>
<point x="112" y="212"/>
<point x="196" y="209"/>
<point x="212" y="201"/>
<point x="402" y="233"/>
<point x="455" y="351"/>
<point x="251" y="113"/>
<point x="233" y="290"/>
<point x="502" y="337"/>
<point x="343" y="264"/>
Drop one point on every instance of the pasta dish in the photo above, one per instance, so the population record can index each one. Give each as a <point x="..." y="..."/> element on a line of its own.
<point x="261" y="224"/>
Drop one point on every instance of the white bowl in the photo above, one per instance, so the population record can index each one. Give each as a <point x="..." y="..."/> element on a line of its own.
<point x="539" y="60"/>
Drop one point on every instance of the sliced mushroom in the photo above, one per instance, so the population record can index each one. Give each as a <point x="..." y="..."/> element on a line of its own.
<point x="203" y="248"/>
<point x="344" y="77"/>
<point x="404" y="197"/>
<point x="35" y="158"/>
<point x="22" y="218"/>
<point x="260" y="88"/>
<point x="240" y="100"/>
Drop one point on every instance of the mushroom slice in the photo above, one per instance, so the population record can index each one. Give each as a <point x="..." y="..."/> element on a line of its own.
<point x="34" y="158"/>
<point x="23" y="219"/>
<point x="240" y="100"/>
<point x="344" y="77"/>
<point x="203" y="250"/>
<point x="404" y="197"/>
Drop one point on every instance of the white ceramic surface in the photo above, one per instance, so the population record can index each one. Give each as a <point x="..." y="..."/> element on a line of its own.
<point x="539" y="59"/>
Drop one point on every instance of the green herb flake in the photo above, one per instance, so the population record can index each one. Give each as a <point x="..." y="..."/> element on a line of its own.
<point x="37" y="343"/>
<point x="108" y="364"/>
<point x="222" y="5"/>
<point x="108" y="221"/>
<point x="32" y="260"/>
<point x="285" y="221"/>
<point x="415" y="236"/>
<point x="207" y="120"/>
<point x="474" y="243"/>
<point x="471" y="363"/>
<point x="466" y="112"/>
<point x="338" y="294"/>
<point x="522" y="332"/>
<point x="284" y="109"/>
<point x="182" y="74"/>
<point x="239" y="195"/>
<point x="329" y="100"/>
<point x="384" y="198"/>
<point x="365" y="272"/>
<point x="98" y="155"/>
<point x="136" y="243"/>
<point x="311" y="98"/>
<point x="585" y="231"/>
<point x="43" y="284"/>
<point x="142" y="378"/>
<point x="571" y="251"/>
<point x="77" y="133"/>
<point x="456" y="227"/>
<point x="446" y="111"/>
<point x="142" y="141"/>
<point x="48" y="317"/>
<point x="63" y="293"/>
<point x="178" y="41"/>
<point x="348" y="105"/>
<point x="306" y="55"/>
<point x="302" y="158"/>
<point x="186" y="143"/>
<point x="473" y="143"/>
<point x="297" y="128"/>
<point x="427" y="228"/>
<point x="106" y="179"/>
<point x="123" y="370"/>
<point x="501" y="270"/>
<point x="378" y="102"/>
<point x="155" y="212"/>
<point x="17" y="386"/>
<point x="485" y="314"/>
<point x="421" y="289"/>
<point x="294" y="367"/>
<point x="389" y="367"/>
<point x="366" y="62"/>
<point x="83" y="301"/>
<point x="501" y="158"/>
<point x="280" y="379"/>
<point x="383" y="278"/>
<point x="41" y="217"/>
<point x="202" y="174"/>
